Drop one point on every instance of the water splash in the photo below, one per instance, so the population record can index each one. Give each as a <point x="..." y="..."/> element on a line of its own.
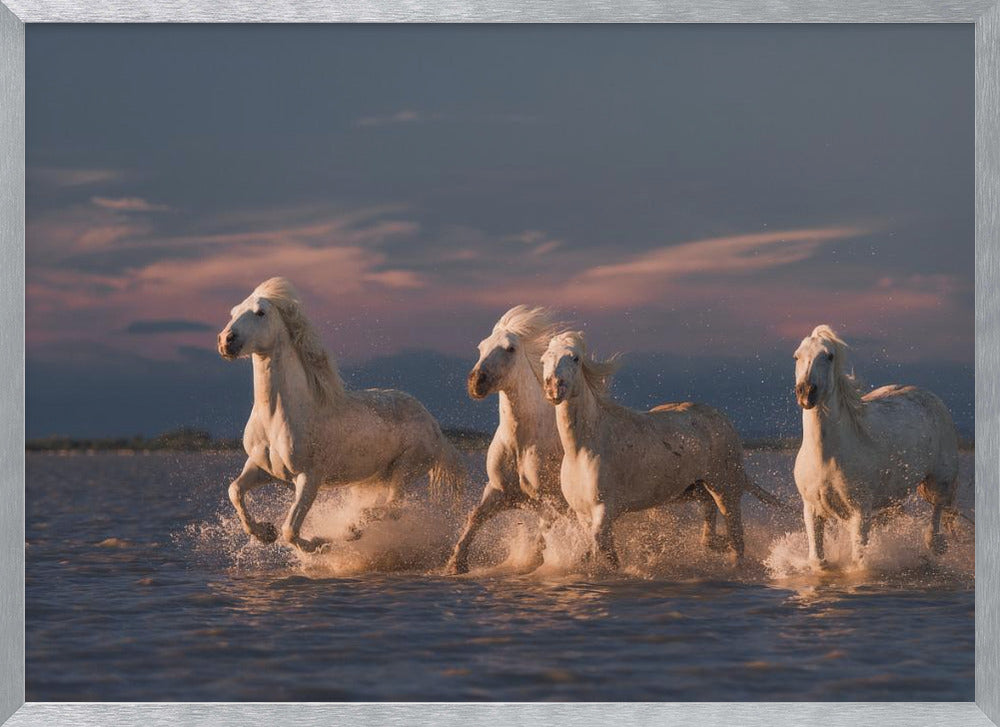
<point x="664" y="543"/>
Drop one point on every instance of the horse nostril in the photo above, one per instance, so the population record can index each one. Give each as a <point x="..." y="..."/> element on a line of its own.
<point x="230" y="337"/>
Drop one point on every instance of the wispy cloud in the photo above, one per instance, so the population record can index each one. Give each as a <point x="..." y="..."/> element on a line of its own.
<point x="65" y="177"/>
<point x="406" y="116"/>
<point x="734" y="254"/>
<point x="128" y="204"/>
<point x="538" y="242"/>
<point x="413" y="116"/>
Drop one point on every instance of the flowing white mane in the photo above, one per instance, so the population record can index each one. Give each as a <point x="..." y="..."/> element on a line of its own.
<point x="321" y="372"/>
<point x="597" y="374"/>
<point x="534" y="326"/>
<point x="847" y="386"/>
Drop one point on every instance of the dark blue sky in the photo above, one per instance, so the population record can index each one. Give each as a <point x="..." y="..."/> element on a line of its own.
<point x="699" y="196"/>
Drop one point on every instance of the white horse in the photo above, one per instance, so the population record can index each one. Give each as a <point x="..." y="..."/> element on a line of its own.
<point x="860" y="455"/>
<point x="617" y="460"/>
<point x="307" y="430"/>
<point x="522" y="463"/>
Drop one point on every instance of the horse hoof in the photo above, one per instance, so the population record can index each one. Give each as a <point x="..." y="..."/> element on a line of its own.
<point x="266" y="533"/>
<point x="312" y="545"/>
<point x="819" y="565"/>
<point x="716" y="543"/>
<point x="937" y="544"/>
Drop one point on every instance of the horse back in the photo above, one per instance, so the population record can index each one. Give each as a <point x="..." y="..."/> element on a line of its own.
<point x="689" y="414"/>
<point x="686" y="421"/>
<point x="895" y="401"/>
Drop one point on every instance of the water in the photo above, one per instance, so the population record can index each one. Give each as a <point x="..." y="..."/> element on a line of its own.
<point x="140" y="586"/>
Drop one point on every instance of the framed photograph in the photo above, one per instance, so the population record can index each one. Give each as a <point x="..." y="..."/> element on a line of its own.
<point x="539" y="363"/>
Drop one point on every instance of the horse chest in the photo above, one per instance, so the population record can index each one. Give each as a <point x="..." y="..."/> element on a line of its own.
<point x="580" y="480"/>
<point x="827" y="487"/>
<point x="536" y="474"/>
<point x="271" y="449"/>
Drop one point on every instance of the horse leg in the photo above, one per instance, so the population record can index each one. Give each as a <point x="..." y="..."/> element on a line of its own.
<point x="493" y="502"/>
<point x="600" y="528"/>
<point x="387" y="510"/>
<point x="402" y="472"/>
<point x="728" y="503"/>
<point x="860" y="527"/>
<point x="814" y="534"/>
<point x="941" y="500"/>
<point x="250" y="479"/>
<point x="710" y="539"/>
<point x="547" y="515"/>
<point x="306" y="488"/>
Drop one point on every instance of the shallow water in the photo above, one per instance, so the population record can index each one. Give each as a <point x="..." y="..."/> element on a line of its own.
<point x="140" y="586"/>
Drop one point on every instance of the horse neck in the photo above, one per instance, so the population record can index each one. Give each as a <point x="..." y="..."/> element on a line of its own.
<point x="827" y="426"/>
<point x="577" y="419"/>
<point x="523" y="408"/>
<point x="279" y="381"/>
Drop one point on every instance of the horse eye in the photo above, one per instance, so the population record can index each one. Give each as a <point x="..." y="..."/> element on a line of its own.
<point x="260" y="312"/>
<point x="576" y="359"/>
<point x="829" y="357"/>
<point x="510" y="349"/>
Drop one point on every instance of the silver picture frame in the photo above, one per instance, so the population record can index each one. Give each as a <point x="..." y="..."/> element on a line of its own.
<point x="984" y="14"/>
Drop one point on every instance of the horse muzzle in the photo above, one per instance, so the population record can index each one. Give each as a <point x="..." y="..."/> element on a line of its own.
<point x="555" y="390"/>
<point x="806" y="394"/>
<point x="478" y="384"/>
<point x="229" y="347"/>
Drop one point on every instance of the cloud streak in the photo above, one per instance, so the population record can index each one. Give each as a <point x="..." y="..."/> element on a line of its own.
<point x="128" y="204"/>
<point x="66" y="177"/>
<point x="736" y="254"/>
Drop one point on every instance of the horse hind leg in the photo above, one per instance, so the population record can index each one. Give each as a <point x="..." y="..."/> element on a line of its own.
<point x="401" y="474"/>
<point x="728" y="503"/>
<point x="710" y="539"/>
<point x="941" y="499"/>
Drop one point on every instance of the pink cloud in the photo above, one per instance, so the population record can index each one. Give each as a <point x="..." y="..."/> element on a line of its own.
<point x="733" y="254"/>
<point x="60" y="177"/>
<point x="128" y="204"/>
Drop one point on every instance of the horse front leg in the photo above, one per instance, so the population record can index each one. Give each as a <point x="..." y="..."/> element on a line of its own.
<point x="600" y="528"/>
<point x="306" y="488"/>
<point x="493" y="502"/>
<point x="814" y="534"/>
<point x="860" y="527"/>
<point x="250" y="479"/>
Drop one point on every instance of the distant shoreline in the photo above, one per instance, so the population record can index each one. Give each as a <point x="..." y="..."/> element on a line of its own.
<point x="194" y="440"/>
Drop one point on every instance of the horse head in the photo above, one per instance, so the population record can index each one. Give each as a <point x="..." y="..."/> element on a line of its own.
<point x="517" y="338"/>
<point x="819" y="365"/>
<point x="254" y="327"/>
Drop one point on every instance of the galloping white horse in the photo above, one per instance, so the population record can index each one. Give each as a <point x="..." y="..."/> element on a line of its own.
<point x="617" y="460"/>
<point x="522" y="463"/>
<point x="307" y="430"/>
<point x="863" y="454"/>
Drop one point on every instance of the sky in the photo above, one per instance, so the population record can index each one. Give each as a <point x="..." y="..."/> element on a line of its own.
<point x="697" y="197"/>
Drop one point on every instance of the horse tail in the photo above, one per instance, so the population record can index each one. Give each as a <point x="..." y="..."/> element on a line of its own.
<point x="766" y="497"/>
<point x="448" y="473"/>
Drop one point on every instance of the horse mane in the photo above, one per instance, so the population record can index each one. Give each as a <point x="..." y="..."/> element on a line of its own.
<point x="534" y="326"/>
<point x="597" y="374"/>
<point x="847" y="386"/>
<point x="321" y="372"/>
